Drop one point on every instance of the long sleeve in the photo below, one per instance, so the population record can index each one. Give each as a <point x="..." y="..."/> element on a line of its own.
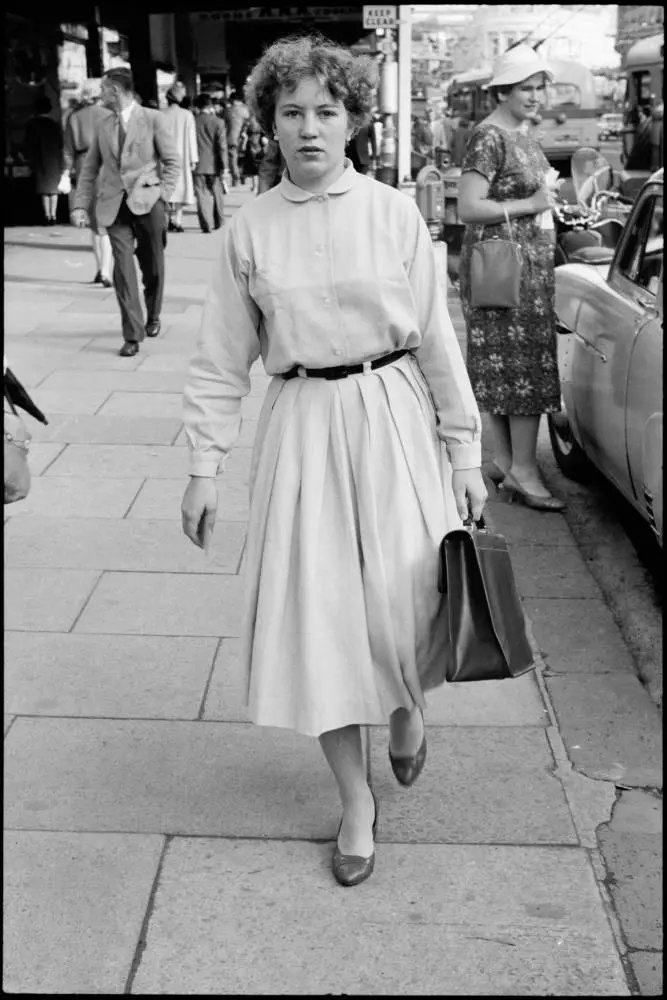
<point x="168" y="155"/>
<point x="219" y="375"/>
<point x="90" y="168"/>
<point x="441" y="361"/>
<point x="192" y="139"/>
<point x="221" y="138"/>
<point x="69" y="146"/>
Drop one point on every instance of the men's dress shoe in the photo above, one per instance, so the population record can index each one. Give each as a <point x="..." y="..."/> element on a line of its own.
<point x="153" y="328"/>
<point x="351" y="869"/>
<point x="407" y="769"/>
<point x="106" y="283"/>
<point x="129" y="349"/>
<point x="97" y="280"/>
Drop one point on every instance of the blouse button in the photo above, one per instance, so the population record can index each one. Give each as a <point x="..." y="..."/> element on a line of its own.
<point x="338" y="352"/>
<point x="326" y="300"/>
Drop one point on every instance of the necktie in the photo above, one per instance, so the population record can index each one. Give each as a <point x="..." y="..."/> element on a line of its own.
<point x="121" y="134"/>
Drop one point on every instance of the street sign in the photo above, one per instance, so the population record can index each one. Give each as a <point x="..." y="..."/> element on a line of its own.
<point x="380" y="17"/>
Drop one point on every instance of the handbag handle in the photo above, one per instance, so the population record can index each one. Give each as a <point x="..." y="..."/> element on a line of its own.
<point x="507" y="220"/>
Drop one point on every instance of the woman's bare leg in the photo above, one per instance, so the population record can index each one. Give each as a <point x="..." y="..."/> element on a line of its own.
<point x="524" y="469"/>
<point x="501" y="441"/>
<point x="343" y="751"/>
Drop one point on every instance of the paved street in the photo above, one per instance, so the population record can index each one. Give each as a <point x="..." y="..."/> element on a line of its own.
<point x="156" y="843"/>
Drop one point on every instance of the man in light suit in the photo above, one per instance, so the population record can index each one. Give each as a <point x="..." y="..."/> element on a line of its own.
<point x="138" y="167"/>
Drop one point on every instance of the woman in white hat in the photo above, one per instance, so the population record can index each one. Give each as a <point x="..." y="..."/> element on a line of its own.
<point x="512" y="354"/>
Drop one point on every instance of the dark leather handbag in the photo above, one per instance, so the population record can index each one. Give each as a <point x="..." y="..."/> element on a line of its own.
<point x="495" y="272"/>
<point x="487" y="628"/>
<point x="17" y="438"/>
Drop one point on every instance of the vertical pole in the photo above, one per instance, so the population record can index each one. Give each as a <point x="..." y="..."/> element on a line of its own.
<point x="404" y="94"/>
<point x="94" y="63"/>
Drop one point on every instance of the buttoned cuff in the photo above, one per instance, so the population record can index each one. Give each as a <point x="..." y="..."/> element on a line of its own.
<point x="465" y="456"/>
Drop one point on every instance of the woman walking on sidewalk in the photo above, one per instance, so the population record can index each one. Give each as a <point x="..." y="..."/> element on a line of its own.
<point x="512" y="353"/>
<point x="330" y="276"/>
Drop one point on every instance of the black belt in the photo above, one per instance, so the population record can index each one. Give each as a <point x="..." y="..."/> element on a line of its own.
<point x="342" y="371"/>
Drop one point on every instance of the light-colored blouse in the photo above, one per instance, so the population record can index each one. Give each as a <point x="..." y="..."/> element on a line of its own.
<point x="321" y="280"/>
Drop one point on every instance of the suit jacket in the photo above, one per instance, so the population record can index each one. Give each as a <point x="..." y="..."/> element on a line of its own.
<point x="147" y="168"/>
<point x="212" y="144"/>
<point x="79" y="134"/>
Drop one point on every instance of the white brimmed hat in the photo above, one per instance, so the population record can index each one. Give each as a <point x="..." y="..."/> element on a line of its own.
<point x="516" y="65"/>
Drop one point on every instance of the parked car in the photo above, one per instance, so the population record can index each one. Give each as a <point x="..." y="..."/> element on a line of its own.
<point x="609" y="313"/>
<point x="610" y="126"/>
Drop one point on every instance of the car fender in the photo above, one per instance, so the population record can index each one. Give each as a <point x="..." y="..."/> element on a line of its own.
<point x="652" y="469"/>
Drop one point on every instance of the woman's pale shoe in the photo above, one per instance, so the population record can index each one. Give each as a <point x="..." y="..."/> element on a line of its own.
<point x="351" y="869"/>
<point x="407" y="769"/>
<point x="512" y="491"/>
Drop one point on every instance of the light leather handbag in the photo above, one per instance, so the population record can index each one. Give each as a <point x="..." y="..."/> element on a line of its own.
<point x="487" y="628"/>
<point x="495" y="272"/>
<point x="17" y="437"/>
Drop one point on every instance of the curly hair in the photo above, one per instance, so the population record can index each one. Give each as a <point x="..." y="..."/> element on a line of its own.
<point x="349" y="78"/>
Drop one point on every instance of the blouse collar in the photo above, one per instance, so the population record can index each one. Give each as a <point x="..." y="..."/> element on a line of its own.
<point x="343" y="184"/>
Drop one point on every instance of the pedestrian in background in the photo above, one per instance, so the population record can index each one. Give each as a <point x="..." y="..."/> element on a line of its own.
<point x="362" y="149"/>
<point x="512" y="353"/>
<point x="79" y="133"/>
<point x="236" y="115"/>
<point x="182" y="126"/>
<point x="43" y="149"/>
<point x="138" y="166"/>
<point x="352" y="487"/>
<point x="211" y="164"/>
<point x="253" y="151"/>
<point x="640" y="155"/>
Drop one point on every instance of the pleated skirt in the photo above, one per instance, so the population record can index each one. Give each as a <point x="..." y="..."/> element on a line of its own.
<point x="350" y="497"/>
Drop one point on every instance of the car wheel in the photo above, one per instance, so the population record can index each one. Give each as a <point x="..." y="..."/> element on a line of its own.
<point x="570" y="459"/>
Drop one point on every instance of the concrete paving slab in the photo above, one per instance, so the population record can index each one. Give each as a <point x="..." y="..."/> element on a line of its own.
<point x="648" y="969"/>
<point x="102" y="304"/>
<point x="171" y="604"/>
<point x="552" y="571"/>
<point x="69" y="497"/>
<point x="8" y="719"/>
<point x="634" y="878"/>
<point x="116" y="461"/>
<point x="108" y="359"/>
<point x="494" y="703"/>
<point x="479" y="785"/>
<point x="114" y="430"/>
<point x="128" y="381"/>
<point x="46" y="601"/>
<point x="35" y="374"/>
<point x="72" y="340"/>
<point x="116" y="544"/>
<point x="186" y="778"/>
<point x="226" y="695"/>
<point x="106" y="676"/>
<point x="74" y="907"/>
<point x="577" y="636"/>
<point x="176" y="362"/>
<point x="161" y="499"/>
<point x="524" y="526"/>
<point x="43" y="454"/>
<point x="70" y="401"/>
<point x="610" y="726"/>
<point x="143" y="404"/>
<point x="462" y="921"/>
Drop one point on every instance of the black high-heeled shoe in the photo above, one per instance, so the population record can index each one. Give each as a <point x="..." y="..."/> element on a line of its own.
<point x="351" y="869"/>
<point x="407" y="769"/>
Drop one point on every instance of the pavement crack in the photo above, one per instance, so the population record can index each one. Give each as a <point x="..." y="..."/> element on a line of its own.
<point x="150" y="906"/>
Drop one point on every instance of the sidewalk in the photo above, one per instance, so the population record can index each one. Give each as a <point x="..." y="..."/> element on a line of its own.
<point x="157" y="843"/>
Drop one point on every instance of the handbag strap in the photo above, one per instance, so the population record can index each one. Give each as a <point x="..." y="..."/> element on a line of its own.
<point x="507" y="220"/>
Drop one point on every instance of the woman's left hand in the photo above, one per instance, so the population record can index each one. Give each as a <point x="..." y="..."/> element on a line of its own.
<point x="469" y="492"/>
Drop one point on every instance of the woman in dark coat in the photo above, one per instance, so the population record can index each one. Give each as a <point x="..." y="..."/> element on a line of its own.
<point x="44" y="152"/>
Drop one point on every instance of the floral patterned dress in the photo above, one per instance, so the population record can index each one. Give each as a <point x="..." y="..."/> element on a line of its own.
<point x="511" y="353"/>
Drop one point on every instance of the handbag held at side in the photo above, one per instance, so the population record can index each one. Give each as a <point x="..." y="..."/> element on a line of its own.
<point x="487" y="628"/>
<point x="495" y="272"/>
<point x="17" y="438"/>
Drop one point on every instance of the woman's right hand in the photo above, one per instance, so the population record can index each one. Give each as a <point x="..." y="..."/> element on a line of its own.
<point x="198" y="509"/>
<point x="542" y="201"/>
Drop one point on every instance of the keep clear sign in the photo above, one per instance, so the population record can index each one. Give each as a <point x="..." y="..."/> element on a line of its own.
<point x="379" y="17"/>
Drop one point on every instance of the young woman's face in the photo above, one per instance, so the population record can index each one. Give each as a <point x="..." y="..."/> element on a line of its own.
<point x="312" y="128"/>
<point x="525" y="99"/>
